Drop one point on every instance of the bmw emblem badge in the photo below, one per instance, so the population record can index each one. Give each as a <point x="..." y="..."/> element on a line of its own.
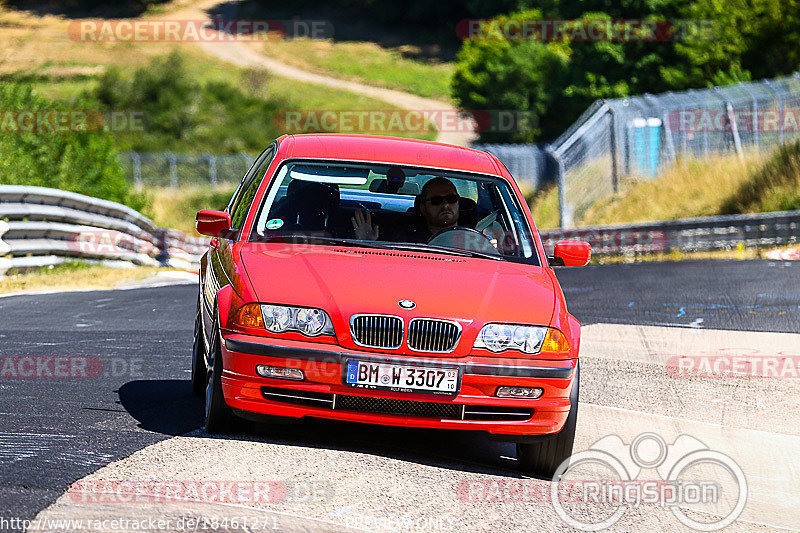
<point x="406" y="304"/>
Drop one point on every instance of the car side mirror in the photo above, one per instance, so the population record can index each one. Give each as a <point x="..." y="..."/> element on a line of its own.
<point x="571" y="253"/>
<point x="212" y="223"/>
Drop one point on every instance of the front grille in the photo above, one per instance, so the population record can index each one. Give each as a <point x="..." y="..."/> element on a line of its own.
<point x="389" y="406"/>
<point x="430" y="335"/>
<point x="377" y="331"/>
<point x="398" y="407"/>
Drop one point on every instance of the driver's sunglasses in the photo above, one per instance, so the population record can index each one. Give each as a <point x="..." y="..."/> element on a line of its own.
<point x="439" y="200"/>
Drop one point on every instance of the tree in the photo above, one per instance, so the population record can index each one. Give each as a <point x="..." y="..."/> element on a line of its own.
<point x="511" y="76"/>
<point x="745" y="39"/>
<point x="79" y="161"/>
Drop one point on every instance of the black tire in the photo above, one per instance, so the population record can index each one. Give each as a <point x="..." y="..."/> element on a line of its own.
<point x="543" y="458"/>
<point x="219" y="417"/>
<point x="199" y="377"/>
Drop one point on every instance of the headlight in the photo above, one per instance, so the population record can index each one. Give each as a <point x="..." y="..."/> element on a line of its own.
<point x="308" y="321"/>
<point x="311" y="322"/>
<point x="527" y="339"/>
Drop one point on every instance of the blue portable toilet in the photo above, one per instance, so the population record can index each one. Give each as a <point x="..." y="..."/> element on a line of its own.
<point x="644" y="137"/>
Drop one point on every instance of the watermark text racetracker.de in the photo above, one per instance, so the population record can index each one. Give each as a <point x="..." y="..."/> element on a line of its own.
<point x="584" y="30"/>
<point x="721" y="120"/>
<point x="734" y="365"/>
<point x="202" y="30"/>
<point x="68" y="367"/>
<point x="386" y="121"/>
<point x="200" y="491"/>
<point x="69" y="121"/>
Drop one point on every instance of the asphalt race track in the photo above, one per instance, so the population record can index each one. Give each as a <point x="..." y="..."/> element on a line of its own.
<point x="123" y="411"/>
<point x="736" y="295"/>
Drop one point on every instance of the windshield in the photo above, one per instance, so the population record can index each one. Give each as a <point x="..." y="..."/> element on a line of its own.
<point x="395" y="207"/>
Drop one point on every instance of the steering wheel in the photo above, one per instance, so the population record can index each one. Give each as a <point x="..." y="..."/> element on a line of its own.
<point x="464" y="238"/>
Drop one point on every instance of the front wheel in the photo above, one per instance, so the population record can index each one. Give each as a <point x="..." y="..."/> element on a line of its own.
<point x="219" y="416"/>
<point x="199" y="374"/>
<point x="543" y="458"/>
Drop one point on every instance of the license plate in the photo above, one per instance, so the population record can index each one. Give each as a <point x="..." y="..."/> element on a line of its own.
<point x="401" y="378"/>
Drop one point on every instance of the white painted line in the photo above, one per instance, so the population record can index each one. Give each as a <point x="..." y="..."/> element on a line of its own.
<point x="679" y="419"/>
<point x="125" y="288"/>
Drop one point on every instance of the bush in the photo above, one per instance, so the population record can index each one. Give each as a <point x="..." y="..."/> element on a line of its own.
<point x="180" y="112"/>
<point x="83" y="162"/>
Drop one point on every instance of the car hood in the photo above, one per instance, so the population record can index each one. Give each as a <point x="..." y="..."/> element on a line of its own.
<point x="345" y="281"/>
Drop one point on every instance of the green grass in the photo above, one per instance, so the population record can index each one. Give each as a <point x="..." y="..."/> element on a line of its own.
<point x="773" y="187"/>
<point x="72" y="275"/>
<point x="285" y="95"/>
<point x="177" y="208"/>
<point x="544" y="207"/>
<point x="368" y="63"/>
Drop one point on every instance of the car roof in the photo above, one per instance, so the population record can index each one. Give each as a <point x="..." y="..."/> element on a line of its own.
<point x="394" y="150"/>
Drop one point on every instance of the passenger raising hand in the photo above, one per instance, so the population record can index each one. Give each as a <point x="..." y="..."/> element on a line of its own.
<point x="362" y="225"/>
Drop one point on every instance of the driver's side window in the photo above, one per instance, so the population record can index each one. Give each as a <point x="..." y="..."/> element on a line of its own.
<point x="246" y="191"/>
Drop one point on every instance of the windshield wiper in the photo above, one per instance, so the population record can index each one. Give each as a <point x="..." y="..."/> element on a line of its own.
<point x="300" y="238"/>
<point x="441" y="250"/>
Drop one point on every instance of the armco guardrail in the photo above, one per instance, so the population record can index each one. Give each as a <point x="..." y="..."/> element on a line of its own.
<point x="687" y="234"/>
<point x="41" y="227"/>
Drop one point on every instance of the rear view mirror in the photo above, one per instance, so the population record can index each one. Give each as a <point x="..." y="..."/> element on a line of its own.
<point x="212" y="223"/>
<point x="571" y="253"/>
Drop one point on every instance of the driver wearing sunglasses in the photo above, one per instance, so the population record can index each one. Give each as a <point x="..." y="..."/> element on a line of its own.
<point x="437" y="203"/>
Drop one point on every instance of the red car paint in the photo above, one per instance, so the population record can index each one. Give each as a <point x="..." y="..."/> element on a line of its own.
<point x="345" y="281"/>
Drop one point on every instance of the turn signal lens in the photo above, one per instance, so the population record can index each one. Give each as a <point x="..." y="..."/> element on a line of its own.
<point x="280" y="372"/>
<point x="249" y="316"/>
<point x="555" y="342"/>
<point x="519" y="392"/>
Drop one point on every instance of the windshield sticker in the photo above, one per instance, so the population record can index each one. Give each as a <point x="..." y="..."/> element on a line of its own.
<point x="275" y="223"/>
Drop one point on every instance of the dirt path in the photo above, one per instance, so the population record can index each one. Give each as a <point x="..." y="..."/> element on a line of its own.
<point x="240" y="54"/>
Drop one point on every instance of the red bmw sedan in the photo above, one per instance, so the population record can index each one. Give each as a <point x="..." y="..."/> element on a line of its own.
<point x="387" y="281"/>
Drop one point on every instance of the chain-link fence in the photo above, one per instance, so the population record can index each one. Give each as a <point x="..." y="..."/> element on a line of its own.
<point x="168" y="169"/>
<point x="641" y="136"/>
<point x="529" y="164"/>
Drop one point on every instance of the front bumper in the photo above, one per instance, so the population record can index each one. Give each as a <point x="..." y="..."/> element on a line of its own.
<point x="322" y="365"/>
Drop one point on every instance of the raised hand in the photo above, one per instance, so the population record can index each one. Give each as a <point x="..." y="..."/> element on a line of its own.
<point x="362" y="225"/>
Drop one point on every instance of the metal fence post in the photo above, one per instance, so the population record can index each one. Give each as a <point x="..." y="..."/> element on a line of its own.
<point x="136" y="159"/>
<point x="737" y="142"/>
<point x="247" y="162"/>
<point x="212" y="169"/>
<point x="614" y="150"/>
<point x="780" y="108"/>
<point x="564" y="213"/>
<point x="755" y="112"/>
<point x="173" y="169"/>
<point x="701" y="107"/>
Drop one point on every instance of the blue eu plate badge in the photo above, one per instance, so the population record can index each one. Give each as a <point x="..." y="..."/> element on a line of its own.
<point x="352" y="371"/>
